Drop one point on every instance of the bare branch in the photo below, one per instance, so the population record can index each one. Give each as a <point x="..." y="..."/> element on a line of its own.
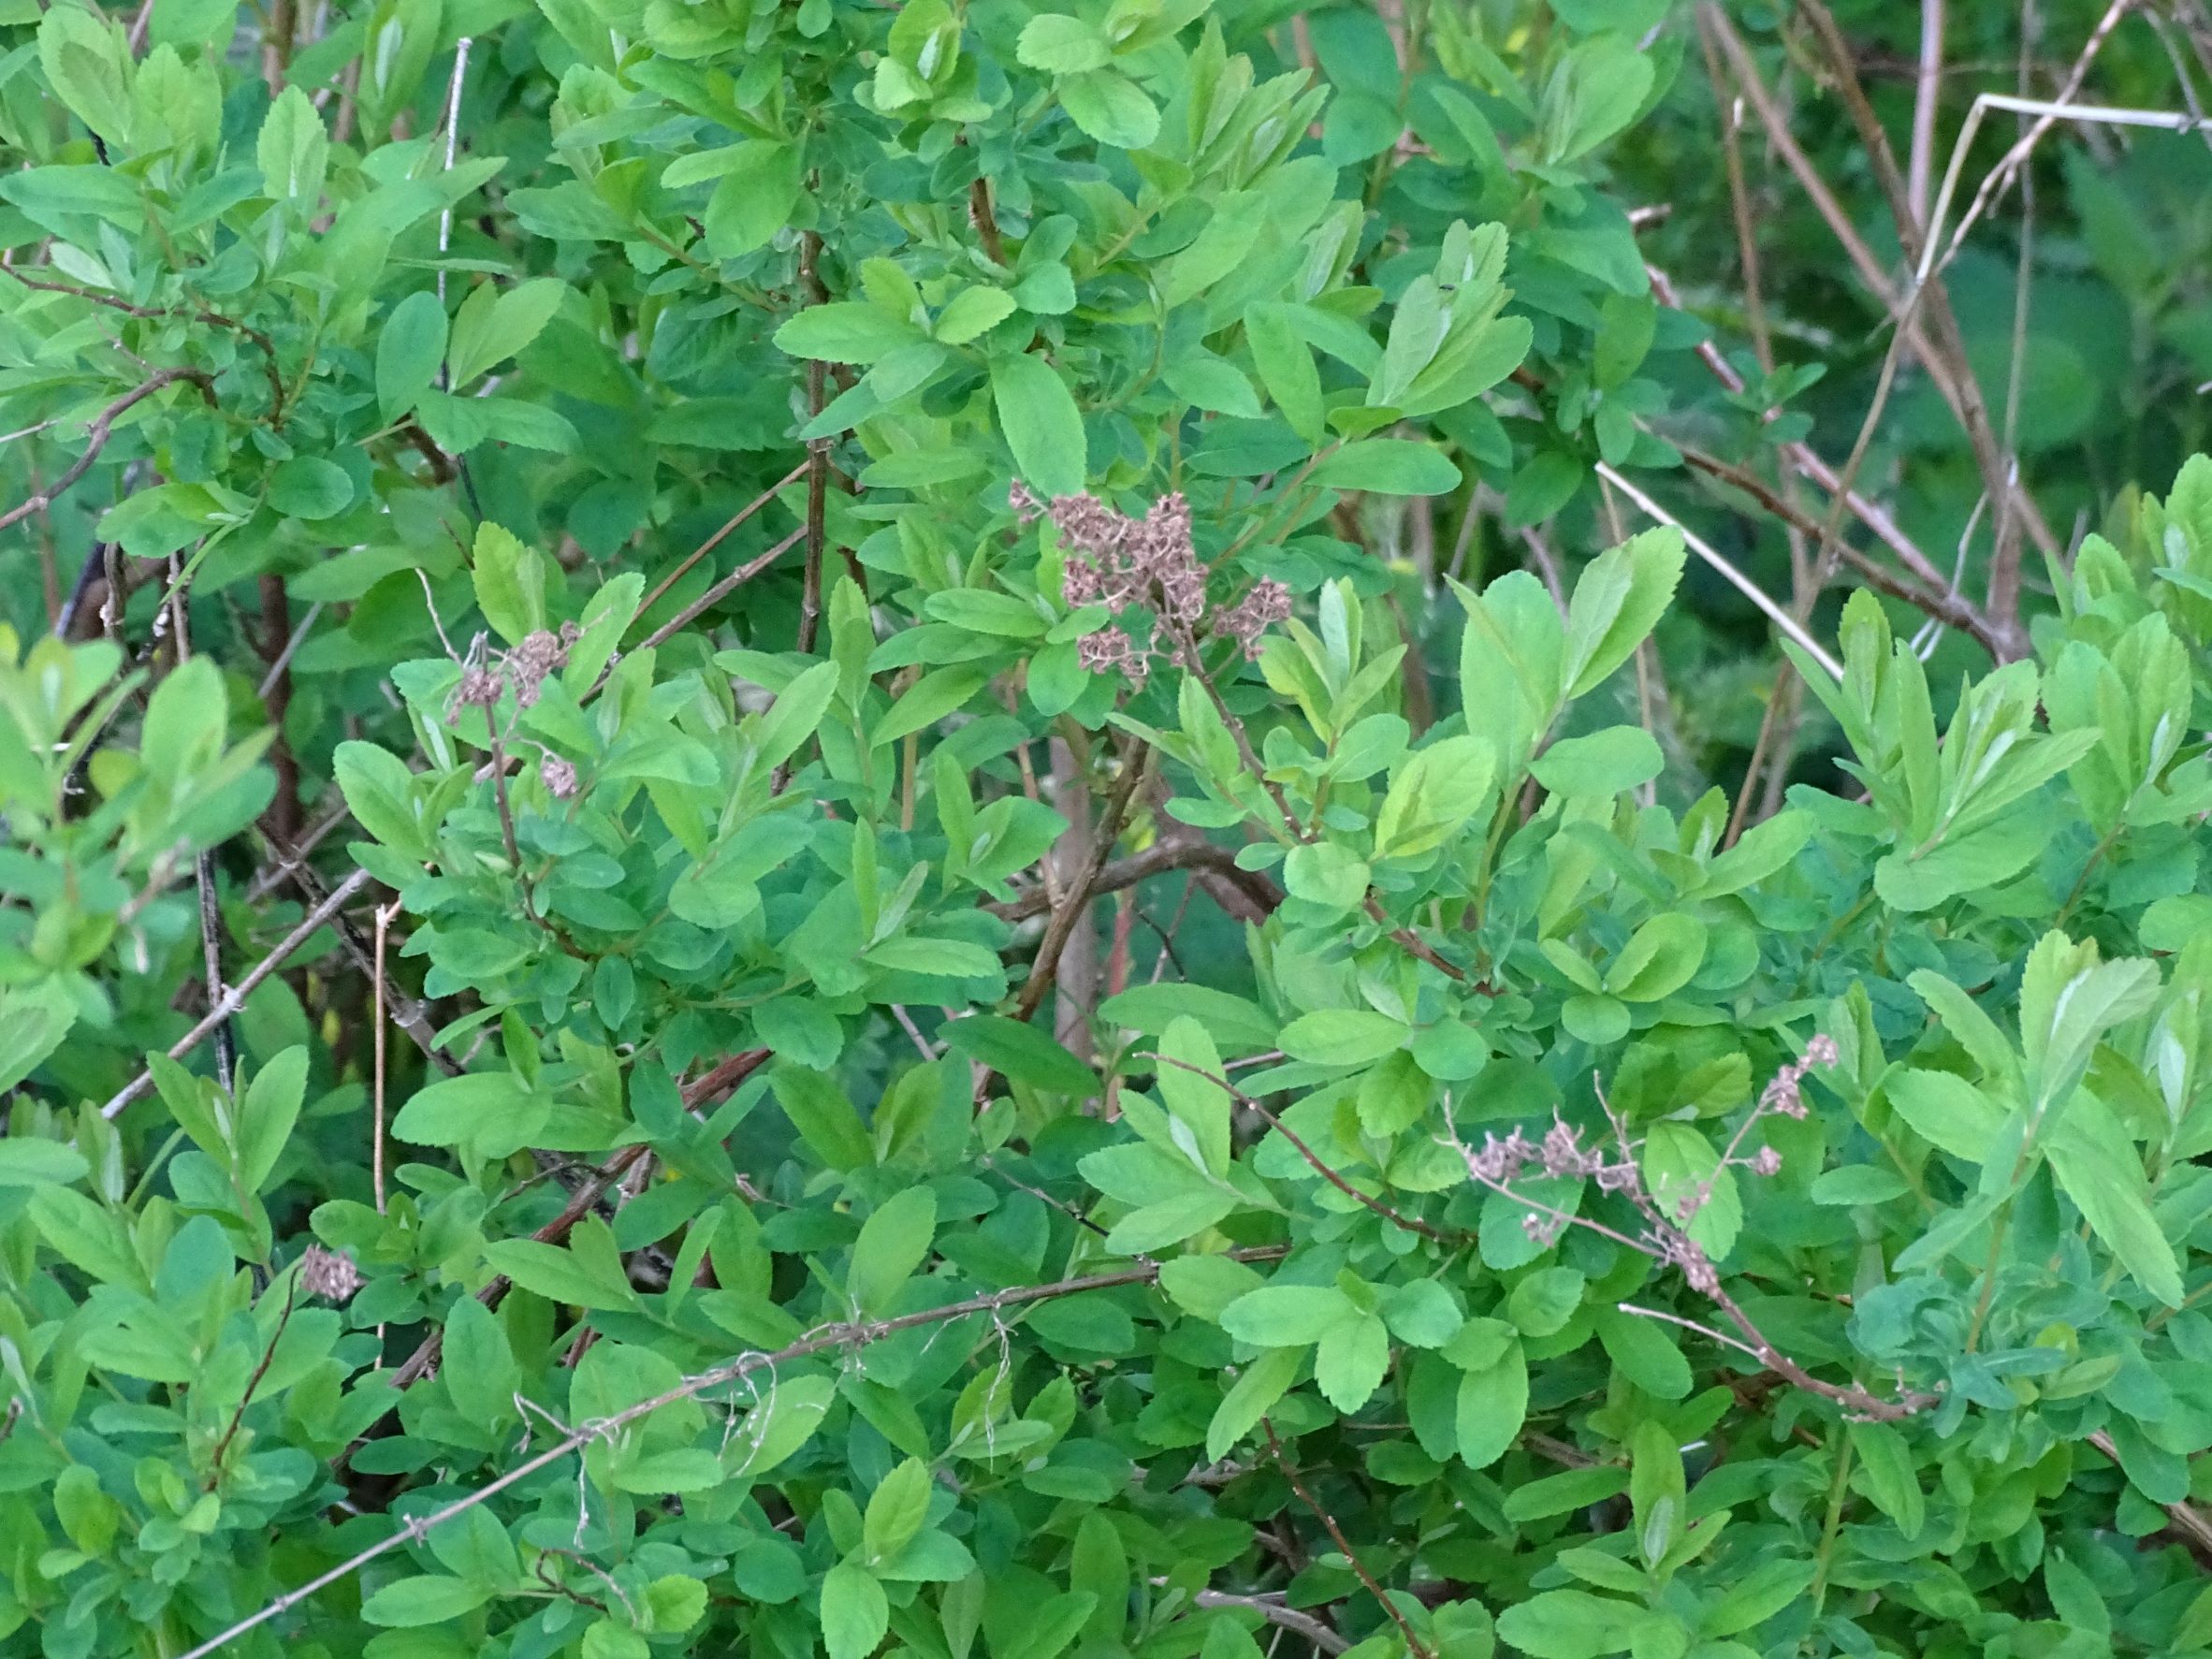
<point x="96" y="439"/>
<point x="1176" y="852"/>
<point x="1736" y="578"/>
<point x="234" y="997"/>
<point x="1418" y="1649"/>
<point x="825" y="1338"/>
<point x="716" y="540"/>
<point x="1278" y="1612"/>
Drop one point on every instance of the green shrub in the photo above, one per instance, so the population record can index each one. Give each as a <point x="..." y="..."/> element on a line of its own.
<point x="753" y="1186"/>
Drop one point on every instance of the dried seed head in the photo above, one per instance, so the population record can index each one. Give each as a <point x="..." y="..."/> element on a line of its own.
<point x="1783" y="1095"/>
<point x="328" y="1274"/>
<point x="1110" y="651"/>
<point x="1542" y="1231"/>
<point x="558" y="777"/>
<point x="479" y="687"/>
<point x="1267" y="603"/>
<point x="538" y="655"/>
<point x="1501" y="1161"/>
<point x="1766" y="1162"/>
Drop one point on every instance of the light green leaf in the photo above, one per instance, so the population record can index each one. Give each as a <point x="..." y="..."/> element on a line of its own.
<point x="1343" y="1036"/>
<point x="409" y="349"/>
<point x="1491" y="1405"/>
<point x="795" y="714"/>
<point x="493" y="326"/>
<point x="1111" y="109"/>
<point x="1946" y="1110"/>
<point x="895" y="1510"/>
<point x="1199" y="1106"/>
<point x="846" y="331"/>
<point x="894" y="1241"/>
<point x="755" y="199"/>
<point x="1889" y="1475"/>
<point x="1601" y="763"/>
<point x="88" y="64"/>
<point x="1439" y="792"/>
<point x="33" y="1019"/>
<point x="973" y="311"/>
<point x="1388" y="466"/>
<point x="1659" y="959"/>
<point x="266" y="1114"/>
<point x="1038" y="416"/>
<point x="1619" y="597"/>
<point x="567" y="1276"/>
<point x="31" y="1162"/>
<point x="2096" y="1164"/>
<point x="1062" y="45"/>
<point x="510" y="583"/>
<point x="855" y="1613"/>
<point x="1257" y="1389"/>
<point x="294" y="149"/>
<point x="1286" y="1316"/>
<point x="429" y="1598"/>
<point x="1682" y="1172"/>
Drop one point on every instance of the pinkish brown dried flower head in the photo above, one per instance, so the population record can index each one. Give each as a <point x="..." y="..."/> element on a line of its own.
<point x="1122" y="564"/>
<point x="1267" y="603"/>
<point x="1784" y="1096"/>
<point x="558" y="777"/>
<point x="538" y="655"/>
<point x="479" y="687"/>
<point x="1109" y="651"/>
<point x="327" y="1273"/>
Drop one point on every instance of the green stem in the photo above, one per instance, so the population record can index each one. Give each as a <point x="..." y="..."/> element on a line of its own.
<point x="1973" y="1334"/>
<point x="2088" y="868"/>
<point x="1832" y="1525"/>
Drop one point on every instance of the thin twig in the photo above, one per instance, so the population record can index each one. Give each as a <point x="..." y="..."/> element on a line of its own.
<point x="1135" y="763"/>
<point x="1801" y="457"/>
<point x="253" y="1382"/>
<point x="96" y="436"/>
<point x="1951" y="608"/>
<point x="384" y="921"/>
<point x="715" y="594"/>
<point x="283" y="658"/>
<point x="203" y="867"/>
<point x="199" y="312"/>
<point x="716" y="540"/>
<point x="1736" y="578"/>
<point x="1927" y="98"/>
<point x="1277" y="1612"/>
<point x="709" y="1088"/>
<point x="825" y="1338"/>
<point x="1934" y="338"/>
<point x="1408" y="1223"/>
<point x="1413" y="1641"/>
<point x="817" y="455"/>
<point x="1174" y="852"/>
<point x="2185" y="1518"/>
<point x="234" y="998"/>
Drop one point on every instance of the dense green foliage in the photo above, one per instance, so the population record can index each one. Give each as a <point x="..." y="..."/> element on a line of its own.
<point x="803" y="871"/>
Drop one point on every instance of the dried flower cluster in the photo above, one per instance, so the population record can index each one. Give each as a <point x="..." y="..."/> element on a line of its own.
<point x="1782" y="1095"/>
<point x="1128" y="563"/>
<point x="1561" y="1155"/>
<point x="328" y="1274"/>
<point x="558" y="777"/>
<point x="525" y="667"/>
